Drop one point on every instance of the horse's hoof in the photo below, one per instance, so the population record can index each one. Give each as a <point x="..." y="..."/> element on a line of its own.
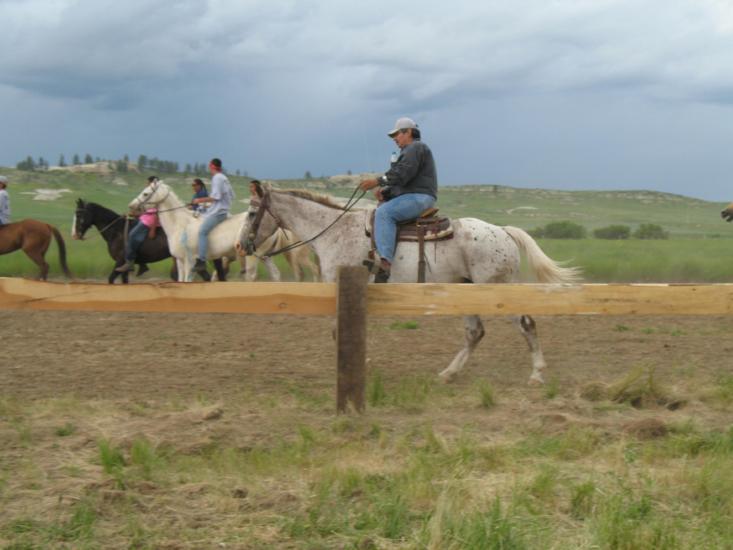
<point x="447" y="378"/>
<point x="536" y="380"/>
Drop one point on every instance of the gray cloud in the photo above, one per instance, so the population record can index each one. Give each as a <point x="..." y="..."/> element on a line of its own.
<point x="322" y="79"/>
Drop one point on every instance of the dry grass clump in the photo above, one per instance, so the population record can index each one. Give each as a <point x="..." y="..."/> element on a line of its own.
<point x="594" y="391"/>
<point x="647" y="428"/>
<point x="640" y="389"/>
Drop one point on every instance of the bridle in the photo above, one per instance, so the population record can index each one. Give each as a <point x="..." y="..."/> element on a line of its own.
<point x="263" y="206"/>
<point x="85" y="211"/>
<point x="147" y="200"/>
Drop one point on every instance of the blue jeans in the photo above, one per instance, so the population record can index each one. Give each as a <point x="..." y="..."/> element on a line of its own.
<point x="209" y="223"/>
<point x="135" y="240"/>
<point x="400" y="209"/>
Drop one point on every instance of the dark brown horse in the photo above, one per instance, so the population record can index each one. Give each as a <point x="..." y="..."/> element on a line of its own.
<point x="33" y="237"/>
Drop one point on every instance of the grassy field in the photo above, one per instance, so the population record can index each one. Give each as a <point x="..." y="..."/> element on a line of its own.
<point x="698" y="250"/>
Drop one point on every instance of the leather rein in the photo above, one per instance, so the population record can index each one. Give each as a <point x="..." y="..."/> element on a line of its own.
<point x="264" y="206"/>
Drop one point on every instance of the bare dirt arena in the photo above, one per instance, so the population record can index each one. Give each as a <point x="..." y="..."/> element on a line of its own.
<point x="174" y="356"/>
<point x="226" y="434"/>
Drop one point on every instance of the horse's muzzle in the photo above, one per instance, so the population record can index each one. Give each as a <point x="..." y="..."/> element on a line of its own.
<point x="727" y="214"/>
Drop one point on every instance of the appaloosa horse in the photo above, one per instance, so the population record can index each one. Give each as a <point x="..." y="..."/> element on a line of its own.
<point x="33" y="237"/>
<point x="479" y="252"/>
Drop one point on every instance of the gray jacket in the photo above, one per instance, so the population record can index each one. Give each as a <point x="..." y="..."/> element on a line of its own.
<point x="4" y="207"/>
<point x="414" y="172"/>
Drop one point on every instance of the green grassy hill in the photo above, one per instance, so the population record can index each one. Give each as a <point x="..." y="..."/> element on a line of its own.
<point x="700" y="247"/>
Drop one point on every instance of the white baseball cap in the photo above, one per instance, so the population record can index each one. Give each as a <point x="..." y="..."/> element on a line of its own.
<point x="3" y="179"/>
<point x="403" y="123"/>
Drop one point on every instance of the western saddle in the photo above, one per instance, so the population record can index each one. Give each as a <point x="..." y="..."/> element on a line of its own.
<point x="428" y="226"/>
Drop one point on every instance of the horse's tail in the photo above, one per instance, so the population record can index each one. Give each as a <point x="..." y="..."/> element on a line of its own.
<point x="62" y="250"/>
<point x="545" y="268"/>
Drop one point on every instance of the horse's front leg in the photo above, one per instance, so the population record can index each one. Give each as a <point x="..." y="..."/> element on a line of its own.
<point x="272" y="269"/>
<point x="474" y="331"/>
<point x="183" y="272"/>
<point x="528" y="328"/>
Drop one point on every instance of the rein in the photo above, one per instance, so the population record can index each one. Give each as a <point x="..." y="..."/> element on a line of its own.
<point x="265" y="206"/>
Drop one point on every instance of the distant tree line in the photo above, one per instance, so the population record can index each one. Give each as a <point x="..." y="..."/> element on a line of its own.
<point x="571" y="230"/>
<point x="144" y="164"/>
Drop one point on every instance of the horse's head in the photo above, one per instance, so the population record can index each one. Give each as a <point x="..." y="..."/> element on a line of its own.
<point x="82" y="220"/>
<point x="250" y="229"/>
<point x="153" y="195"/>
<point x="727" y="214"/>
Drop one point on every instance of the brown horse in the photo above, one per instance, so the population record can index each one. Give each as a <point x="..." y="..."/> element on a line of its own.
<point x="727" y="214"/>
<point x="33" y="237"/>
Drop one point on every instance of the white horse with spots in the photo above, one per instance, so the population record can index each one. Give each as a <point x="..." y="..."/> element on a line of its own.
<point x="478" y="253"/>
<point x="182" y="229"/>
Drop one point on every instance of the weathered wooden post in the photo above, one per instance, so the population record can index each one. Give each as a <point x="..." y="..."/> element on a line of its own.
<point x="351" y="323"/>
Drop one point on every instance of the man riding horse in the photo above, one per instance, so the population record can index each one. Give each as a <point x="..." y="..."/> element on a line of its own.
<point x="405" y="191"/>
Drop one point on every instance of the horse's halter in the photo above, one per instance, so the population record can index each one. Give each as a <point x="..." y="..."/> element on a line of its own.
<point x="82" y="223"/>
<point x="154" y="188"/>
<point x="249" y="244"/>
<point x="263" y="206"/>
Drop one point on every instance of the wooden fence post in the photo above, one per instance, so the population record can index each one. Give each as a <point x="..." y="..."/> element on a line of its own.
<point x="351" y="322"/>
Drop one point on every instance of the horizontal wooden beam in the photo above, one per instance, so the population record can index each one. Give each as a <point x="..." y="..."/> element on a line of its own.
<point x="389" y="299"/>
<point x="235" y="297"/>
<point x="538" y="299"/>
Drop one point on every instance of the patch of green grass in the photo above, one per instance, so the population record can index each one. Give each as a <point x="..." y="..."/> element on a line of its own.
<point x="552" y="389"/>
<point x="376" y="394"/>
<point x="65" y="430"/>
<point x="629" y="520"/>
<point x="451" y="527"/>
<point x="32" y="533"/>
<point x="573" y="444"/>
<point x="487" y="398"/>
<point x="582" y="499"/>
<point x="145" y="457"/>
<point x="404" y="325"/>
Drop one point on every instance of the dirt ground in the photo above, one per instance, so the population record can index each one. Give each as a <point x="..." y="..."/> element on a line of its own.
<point x="215" y="392"/>
<point x="161" y="357"/>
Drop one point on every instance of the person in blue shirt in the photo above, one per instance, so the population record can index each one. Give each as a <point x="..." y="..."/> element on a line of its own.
<point x="199" y="192"/>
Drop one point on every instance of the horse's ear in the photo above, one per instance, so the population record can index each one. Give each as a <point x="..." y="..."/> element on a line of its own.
<point x="79" y="203"/>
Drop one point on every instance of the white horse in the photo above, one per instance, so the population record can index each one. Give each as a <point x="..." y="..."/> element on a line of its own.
<point x="182" y="228"/>
<point x="478" y="253"/>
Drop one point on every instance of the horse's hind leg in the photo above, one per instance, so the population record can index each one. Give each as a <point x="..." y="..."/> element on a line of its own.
<point x="528" y="329"/>
<point x="474" y="333"/>
<point x="38" y="259"/>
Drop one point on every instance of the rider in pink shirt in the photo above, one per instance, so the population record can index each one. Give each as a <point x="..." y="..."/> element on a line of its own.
<point x="145" y="228"/>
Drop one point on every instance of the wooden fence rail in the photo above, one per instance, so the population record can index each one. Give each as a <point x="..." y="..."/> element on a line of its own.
<point x="351" y="300"/>
<point x="390" y="299"/>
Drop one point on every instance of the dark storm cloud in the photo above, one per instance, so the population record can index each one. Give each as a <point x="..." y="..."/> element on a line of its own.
<point x="190" y="78"/>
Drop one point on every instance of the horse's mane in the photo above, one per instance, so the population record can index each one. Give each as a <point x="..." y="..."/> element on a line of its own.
<point x="103" y="209"/>
<point x="325" y="200"/>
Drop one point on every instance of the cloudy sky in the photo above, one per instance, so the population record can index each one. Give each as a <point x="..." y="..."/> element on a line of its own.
<point x="567" y="94"/>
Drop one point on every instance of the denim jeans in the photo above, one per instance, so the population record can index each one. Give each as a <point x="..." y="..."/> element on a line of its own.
<point x="135" y="240"/>
<point x="209" y="223"/>
<point x="400" y="209"/>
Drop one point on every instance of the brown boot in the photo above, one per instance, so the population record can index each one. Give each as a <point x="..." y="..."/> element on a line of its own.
<point x="382" y="275"/>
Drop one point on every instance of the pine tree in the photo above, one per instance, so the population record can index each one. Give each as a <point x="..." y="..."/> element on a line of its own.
<point x="62" y="161"/>
<point x="88" y="159"/>
<point x="76" y="161"/>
